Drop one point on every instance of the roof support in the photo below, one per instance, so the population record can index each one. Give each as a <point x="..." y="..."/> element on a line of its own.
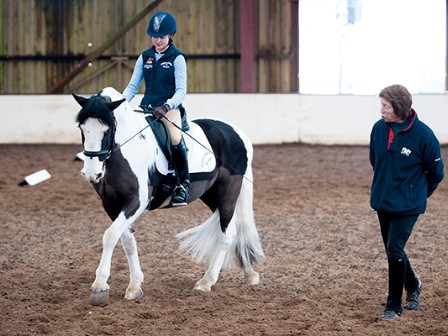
<point x="295" y="45"/>
<point x="446" y="47"/>
<point x="97" y="52"/>
<point x="248" y="37"/>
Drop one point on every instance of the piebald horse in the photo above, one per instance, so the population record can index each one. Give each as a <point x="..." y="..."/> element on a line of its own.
<point x="126" y="166"/>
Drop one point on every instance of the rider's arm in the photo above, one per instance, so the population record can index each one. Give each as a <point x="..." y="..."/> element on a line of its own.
<point x="180" y="77"/>
<point x="136" y="80"/>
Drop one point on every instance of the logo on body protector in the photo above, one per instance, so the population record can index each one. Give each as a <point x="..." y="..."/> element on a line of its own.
<point x="149" y="63"/>
<point x="166" y="65"/>
<point x="406" y="151"/>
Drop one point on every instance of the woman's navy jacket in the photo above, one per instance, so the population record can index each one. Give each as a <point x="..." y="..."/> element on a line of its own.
<point x="159" y="76"/>
<point x="407" y="166"/>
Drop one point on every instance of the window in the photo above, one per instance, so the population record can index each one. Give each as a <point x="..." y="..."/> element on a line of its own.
<point x="361" y="46"/>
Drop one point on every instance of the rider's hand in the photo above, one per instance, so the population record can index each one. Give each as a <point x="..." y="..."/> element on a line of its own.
<point x="160" y="111"/>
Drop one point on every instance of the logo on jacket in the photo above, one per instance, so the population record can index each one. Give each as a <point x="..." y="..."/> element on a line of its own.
<point x="406" y="151"/>
<point x="149" y="62"/>
<point x="166" y="65"/>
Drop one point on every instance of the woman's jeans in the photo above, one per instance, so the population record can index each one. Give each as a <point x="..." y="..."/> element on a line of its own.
<point x="395" y="230"/>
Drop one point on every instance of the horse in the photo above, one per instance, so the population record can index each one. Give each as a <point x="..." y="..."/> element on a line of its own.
<point x="128" y="169"/>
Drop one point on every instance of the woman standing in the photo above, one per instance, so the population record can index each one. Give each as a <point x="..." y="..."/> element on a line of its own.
<point x="407" y="168"/>
<point x="163" y="67"/>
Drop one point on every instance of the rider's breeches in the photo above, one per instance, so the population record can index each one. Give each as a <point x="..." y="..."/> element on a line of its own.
<point x="175" y="133"/>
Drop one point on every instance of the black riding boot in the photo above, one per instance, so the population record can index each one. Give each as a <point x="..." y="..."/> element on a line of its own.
<point x="397" y="273"/>
<point x="180" y="193"/>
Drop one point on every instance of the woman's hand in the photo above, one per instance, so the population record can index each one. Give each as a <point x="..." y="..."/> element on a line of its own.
<point x="160" y="111"/>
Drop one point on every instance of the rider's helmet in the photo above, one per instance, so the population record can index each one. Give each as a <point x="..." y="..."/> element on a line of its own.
<point x="161" y="24"/>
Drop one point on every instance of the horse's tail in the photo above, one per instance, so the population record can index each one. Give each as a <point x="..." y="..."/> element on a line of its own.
<point x="245" y="249"/>
<point x="248" y="250"/>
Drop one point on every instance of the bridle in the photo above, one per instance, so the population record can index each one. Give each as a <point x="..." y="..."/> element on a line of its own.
<point x="108" y="145"/>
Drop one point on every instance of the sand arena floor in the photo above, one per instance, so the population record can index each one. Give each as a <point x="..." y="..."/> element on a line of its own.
<point x="325" y="272"/>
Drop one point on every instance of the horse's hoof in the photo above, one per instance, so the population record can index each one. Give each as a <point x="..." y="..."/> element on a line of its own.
<point x="134" y="295"/>
<point x="202" y="288"/>
<point x="100" y="298"/>
<point x="253" y="279"/>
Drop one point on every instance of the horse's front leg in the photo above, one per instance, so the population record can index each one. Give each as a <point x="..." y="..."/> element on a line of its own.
<point x="134" y="291"/>
<point x="100" y="287"/>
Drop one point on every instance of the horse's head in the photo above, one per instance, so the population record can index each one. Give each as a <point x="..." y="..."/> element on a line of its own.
<point x="97" y="124"/>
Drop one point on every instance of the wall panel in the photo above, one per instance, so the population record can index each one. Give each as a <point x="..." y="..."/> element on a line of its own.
<point x="43" y="40"/>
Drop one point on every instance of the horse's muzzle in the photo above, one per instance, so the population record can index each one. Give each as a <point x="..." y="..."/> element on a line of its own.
<point x="95" y="178"/>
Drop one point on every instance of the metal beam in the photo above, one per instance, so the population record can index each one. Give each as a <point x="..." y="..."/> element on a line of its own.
<point x="295" y="45"/>
<point x="247" y="45"/>
<point x="97" y="52"/>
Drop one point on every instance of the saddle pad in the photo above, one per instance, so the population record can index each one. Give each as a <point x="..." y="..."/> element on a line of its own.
<point x="201" y="158"/>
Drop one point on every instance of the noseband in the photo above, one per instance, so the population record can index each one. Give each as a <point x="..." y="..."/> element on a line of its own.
<point x="91" y="154"/>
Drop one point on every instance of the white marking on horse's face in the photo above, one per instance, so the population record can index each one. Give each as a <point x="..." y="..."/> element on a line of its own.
<point x="93" y="169"/>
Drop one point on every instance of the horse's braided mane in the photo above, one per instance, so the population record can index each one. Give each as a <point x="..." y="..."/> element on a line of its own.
<point x="96" y="107"/>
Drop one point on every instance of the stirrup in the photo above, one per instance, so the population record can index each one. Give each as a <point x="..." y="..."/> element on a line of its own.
<point x="180" y="196"/>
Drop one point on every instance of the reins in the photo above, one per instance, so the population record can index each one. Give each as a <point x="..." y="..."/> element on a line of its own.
<point x="132" y="137"/>
<point x="180" y="128"/>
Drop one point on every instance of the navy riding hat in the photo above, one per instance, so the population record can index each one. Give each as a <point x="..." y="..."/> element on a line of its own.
<point x="161" y="24"/>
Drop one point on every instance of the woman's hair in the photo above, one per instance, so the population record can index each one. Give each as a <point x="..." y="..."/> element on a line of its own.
<point x="400" y="99"/>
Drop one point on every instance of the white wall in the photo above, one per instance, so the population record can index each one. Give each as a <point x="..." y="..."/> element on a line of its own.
<point x="266" y="118"/>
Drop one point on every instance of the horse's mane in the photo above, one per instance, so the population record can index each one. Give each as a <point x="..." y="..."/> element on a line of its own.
<point x="96" y="107"/>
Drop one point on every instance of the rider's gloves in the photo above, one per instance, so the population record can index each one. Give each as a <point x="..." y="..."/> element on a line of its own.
<point x="160" y="111"/>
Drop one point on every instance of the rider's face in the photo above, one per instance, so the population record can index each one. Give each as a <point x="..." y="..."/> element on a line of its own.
<point x="161" y="43"/>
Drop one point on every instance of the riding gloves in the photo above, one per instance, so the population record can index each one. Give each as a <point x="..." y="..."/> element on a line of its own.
<point x="160" y="111"/>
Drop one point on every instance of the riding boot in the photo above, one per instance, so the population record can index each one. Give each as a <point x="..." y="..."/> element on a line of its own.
<point x="397" y="273"/>
<point x="180" y="193"/>
<point x="411" y="280"/>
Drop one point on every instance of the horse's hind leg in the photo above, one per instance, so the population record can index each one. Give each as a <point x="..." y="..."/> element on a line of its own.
<point x="211" y="276"/>
<point x="134" y="291"/>
<point x="217" y="257"/>
<point x="251" y="277"/>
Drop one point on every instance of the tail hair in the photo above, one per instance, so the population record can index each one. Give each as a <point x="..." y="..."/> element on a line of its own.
<point x="245" y="249"/>
<point x="248" y="248"/>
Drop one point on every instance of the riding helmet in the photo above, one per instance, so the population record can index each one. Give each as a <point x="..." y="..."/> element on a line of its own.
<point x="161" y="24"/>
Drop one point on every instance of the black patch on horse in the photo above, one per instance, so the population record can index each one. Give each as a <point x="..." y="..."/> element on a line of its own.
<point x="96" y="107"/>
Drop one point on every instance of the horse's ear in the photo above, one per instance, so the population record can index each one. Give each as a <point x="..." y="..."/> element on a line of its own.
<point x="115" y="104"/>
<point x="81" y="100"/>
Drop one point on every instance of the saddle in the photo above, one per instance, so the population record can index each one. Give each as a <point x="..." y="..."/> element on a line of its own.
<point x="201" y="159"/>
<point x="161" y="132"/>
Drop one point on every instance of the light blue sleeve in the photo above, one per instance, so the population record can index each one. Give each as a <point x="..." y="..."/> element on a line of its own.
<point x="136" y="79"/>
<point x="180" y="77"/>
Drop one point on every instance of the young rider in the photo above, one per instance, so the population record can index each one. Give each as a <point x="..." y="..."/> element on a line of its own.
<point x="163" y="67"/>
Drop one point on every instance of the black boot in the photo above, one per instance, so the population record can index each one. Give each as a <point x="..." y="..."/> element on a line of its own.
<point x="413" y="297"/>
<point x="180" y="193"/>
<point x="397" y="272"/>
